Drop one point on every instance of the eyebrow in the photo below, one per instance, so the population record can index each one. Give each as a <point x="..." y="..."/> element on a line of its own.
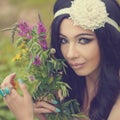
<point x="81" y="34"/>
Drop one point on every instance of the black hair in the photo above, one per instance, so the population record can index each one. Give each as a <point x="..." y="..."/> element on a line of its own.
<point x="109" y="45"/>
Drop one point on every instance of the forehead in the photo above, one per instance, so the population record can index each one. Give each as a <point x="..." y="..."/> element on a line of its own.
<point x="67" y="27"/>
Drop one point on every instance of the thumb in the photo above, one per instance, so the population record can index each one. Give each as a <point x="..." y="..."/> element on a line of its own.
<point x="23" y="88"/>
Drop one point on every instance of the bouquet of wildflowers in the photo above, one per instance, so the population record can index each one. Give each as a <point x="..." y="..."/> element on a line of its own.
<point x="41" y="71"/>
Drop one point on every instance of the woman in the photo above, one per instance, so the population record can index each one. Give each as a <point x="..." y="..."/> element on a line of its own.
<point x="85" y="33"/>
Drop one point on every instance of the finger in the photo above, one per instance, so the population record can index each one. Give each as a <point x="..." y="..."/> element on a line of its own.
<point x="8" y="79"/>
<point x="13" y="95"/>
<point x="23" y="88"/>
<point x="60" y="95"/>
<point x="6" y="90"/>
<point x="42" y="111"/>
<point x="51" y="101"/>
<point x="43" y="104"/>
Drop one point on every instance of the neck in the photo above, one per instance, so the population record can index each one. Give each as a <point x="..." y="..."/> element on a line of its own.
<point x="91" y="82"/>
<point x="91" y="89"/>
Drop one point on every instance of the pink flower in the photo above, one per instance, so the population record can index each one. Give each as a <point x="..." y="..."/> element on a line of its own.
<point x="25" y="30"/>
<point x="41" y="28"/>
<point x="43" y="44"/>
<point x="37" y="61"/>
<point x="41" y="31"/>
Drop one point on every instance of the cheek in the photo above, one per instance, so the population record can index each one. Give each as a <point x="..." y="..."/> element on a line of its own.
<point x="96" y="59"/>
<point x="93" y="56"/>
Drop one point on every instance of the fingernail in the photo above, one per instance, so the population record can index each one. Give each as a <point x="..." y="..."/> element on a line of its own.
<point x="13" y="75"/>
<point x="54" y="102"/>
<point x="20" y="80"/>
<point x="57" y="110"/>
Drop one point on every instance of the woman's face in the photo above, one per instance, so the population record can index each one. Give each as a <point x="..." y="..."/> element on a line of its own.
<point x="80" y="48"/>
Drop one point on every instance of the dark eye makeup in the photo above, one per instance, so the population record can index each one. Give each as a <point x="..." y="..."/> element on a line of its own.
<point x="63" y="40"/>
<point x="84" y="40"/>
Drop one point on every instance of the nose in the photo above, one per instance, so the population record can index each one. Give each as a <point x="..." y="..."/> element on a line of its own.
<point x="72" y="52"/>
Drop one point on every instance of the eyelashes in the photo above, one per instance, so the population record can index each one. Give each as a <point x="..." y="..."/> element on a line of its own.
<point x="80" y="40"/>
<point x="85" y="40"/>
<point x="63" y="40"/>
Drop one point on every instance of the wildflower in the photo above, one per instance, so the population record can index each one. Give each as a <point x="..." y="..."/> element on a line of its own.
<point x="31" y="78"/>
<point x="39" y="66"/>
<point x="17" y="57"/>
<point x="41" y="28"/>
<point x="43" y="44"/>
<point x="25" y="30"/>
<point x="24" y="50"/>
<point x="22" y="45"/>
<point x="60" y="73"/>
<point x="52" y="51"/>
<point x="41" y="31"/>
<point x="37" y="61"/>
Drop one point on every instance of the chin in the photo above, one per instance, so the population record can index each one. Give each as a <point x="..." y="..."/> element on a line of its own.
<point x="81" y="73"/>
<point x="86" y="72"/>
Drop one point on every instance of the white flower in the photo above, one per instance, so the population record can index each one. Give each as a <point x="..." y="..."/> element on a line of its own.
<point x="52" y="51"/>
<point x="89" y="14"/>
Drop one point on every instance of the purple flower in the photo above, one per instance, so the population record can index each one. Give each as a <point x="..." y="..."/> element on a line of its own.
<point x="43" y="44"/>
<point x="25" y="30"/>
<point x="41" y="28"/>
<point x="37" y="61"/>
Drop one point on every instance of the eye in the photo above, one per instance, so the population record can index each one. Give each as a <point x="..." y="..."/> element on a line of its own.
<point x="84" y="40"/>
<point x="63" y="40"/>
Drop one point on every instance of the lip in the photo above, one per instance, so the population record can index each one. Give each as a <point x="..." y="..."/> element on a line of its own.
<point x="77" y="65"/>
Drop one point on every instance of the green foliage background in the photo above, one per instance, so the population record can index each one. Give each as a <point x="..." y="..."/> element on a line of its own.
<point x="7" y="50"/>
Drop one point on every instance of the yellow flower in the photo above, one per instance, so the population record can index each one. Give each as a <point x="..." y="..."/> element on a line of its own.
<point x="22" y="45"/>
<point x="25" y="50"/>
<point x="17" y="57"/>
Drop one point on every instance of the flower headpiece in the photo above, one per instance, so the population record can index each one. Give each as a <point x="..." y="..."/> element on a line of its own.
<point x="89" y="14"/>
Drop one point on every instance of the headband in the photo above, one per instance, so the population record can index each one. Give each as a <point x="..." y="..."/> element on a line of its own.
<point x="89" y="14"/>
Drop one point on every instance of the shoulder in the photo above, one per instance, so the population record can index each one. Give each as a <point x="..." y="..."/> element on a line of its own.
<point x="115" y="112"/>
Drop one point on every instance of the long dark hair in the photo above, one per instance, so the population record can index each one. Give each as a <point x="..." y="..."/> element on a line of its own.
<point x="109" y="80"/>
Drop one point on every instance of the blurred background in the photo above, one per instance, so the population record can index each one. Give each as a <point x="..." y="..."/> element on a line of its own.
<point x="12" y="11"/>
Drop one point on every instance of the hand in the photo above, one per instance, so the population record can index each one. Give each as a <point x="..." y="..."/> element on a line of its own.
<point x="21" y="106"/>
<point x="43" y="107"/>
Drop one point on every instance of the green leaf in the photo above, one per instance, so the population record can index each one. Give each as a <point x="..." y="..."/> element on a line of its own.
<point x="51" y="80"/>
<point x="19" y="41"/>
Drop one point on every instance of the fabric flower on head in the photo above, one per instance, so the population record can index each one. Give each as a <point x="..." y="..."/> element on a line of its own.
<point x="89" y="14"/>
